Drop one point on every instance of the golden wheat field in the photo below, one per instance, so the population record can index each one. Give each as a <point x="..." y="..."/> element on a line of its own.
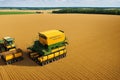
<point x="93" y="52"/>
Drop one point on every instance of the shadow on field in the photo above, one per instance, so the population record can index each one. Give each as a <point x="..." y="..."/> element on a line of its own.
<point x="25" y="62"/>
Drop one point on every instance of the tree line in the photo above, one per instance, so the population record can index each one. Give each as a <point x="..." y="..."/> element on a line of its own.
<point x="114" y="11"/>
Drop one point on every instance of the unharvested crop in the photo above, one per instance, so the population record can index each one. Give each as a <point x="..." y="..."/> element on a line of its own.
<point x="93" y="51"/>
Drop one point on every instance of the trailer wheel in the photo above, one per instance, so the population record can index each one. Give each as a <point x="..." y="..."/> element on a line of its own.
<point x="54" y="59"/>
<point x="8" y="62"/>
<point x="48" y="61"/>
<point x="38" y="62"/>
<point x="51" y="60"/>
<point x="64" y="55"/>
<point x="61" y="56"/>
<point x="42" y="64"/>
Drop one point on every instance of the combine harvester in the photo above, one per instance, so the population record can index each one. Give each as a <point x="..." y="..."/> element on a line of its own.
<point x="51" y="46"/>
<point x="8" y="51"/>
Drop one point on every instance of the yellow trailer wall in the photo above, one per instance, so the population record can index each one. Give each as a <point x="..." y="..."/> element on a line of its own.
<point x="18" y="54"/>
<point x="8" y="57"/>
<point x="53" y="55"/>
<point x="52" y="37"/>
<point x="42" y="41"/>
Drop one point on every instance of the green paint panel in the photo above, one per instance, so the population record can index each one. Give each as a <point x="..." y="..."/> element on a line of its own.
<point x="1" y="41"/>
<point x="45" y="50"/>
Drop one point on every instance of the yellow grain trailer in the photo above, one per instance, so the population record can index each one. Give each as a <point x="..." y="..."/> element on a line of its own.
<point x="8" y="51"/>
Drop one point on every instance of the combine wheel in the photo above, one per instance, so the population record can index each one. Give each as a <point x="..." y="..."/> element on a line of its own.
<point x="38" y="62"/>
<point x="51" y="60"/>
<point x="58" y="57"/>
<point x="61" y="56"/>
<point x="12" y="61"/>
<point x="54" y="59"/>
<point x="19" y="59"/>
<point x="43" y="63"/>
<point x="15" y="60"/>
<point x="64" y="54"/>
<point x="29" y="55"/>
<point x="8" y="62"/>
<point x="48" y="61"/>
<point x="33" y="59"/>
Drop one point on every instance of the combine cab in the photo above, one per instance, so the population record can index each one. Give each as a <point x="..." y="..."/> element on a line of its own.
<point x="51" y="46"/>
<point x="8" y="51"/>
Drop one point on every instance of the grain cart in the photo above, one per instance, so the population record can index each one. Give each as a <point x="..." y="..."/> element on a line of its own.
<point x="8" y="51"/>
<point x="51" y="46"/>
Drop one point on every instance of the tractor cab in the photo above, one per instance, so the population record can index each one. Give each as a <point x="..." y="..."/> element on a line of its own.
<point x="9" y="43"/>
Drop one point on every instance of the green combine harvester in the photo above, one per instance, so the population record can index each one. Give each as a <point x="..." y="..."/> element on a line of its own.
<point x="8" y="51"/>
<point x="51" y="46"/>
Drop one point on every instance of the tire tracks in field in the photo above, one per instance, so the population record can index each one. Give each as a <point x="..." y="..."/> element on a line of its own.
<point x="4" y="74"/>
<point x="103" y="68"/>
<point x="27" y="75"/>
<point x="88" y="62"/>
<point x="106" y="68"/>
<point x="81" y="72"/>
<point x="14" y="74"/>
<point x="66" y="74"/>
<point x="37" y="74"/>
<point x="18" y="73"/>
<point x="50" y="74"/>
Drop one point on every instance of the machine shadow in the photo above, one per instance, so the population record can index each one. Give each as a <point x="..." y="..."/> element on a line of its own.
<point x="25" y="62"/>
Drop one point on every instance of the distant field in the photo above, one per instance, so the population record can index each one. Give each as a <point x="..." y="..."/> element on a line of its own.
<point x="61" y="10"/>
<point x="8" y="11"/>
<point x="113" y="11"/>
<point x="15" y="12"/>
